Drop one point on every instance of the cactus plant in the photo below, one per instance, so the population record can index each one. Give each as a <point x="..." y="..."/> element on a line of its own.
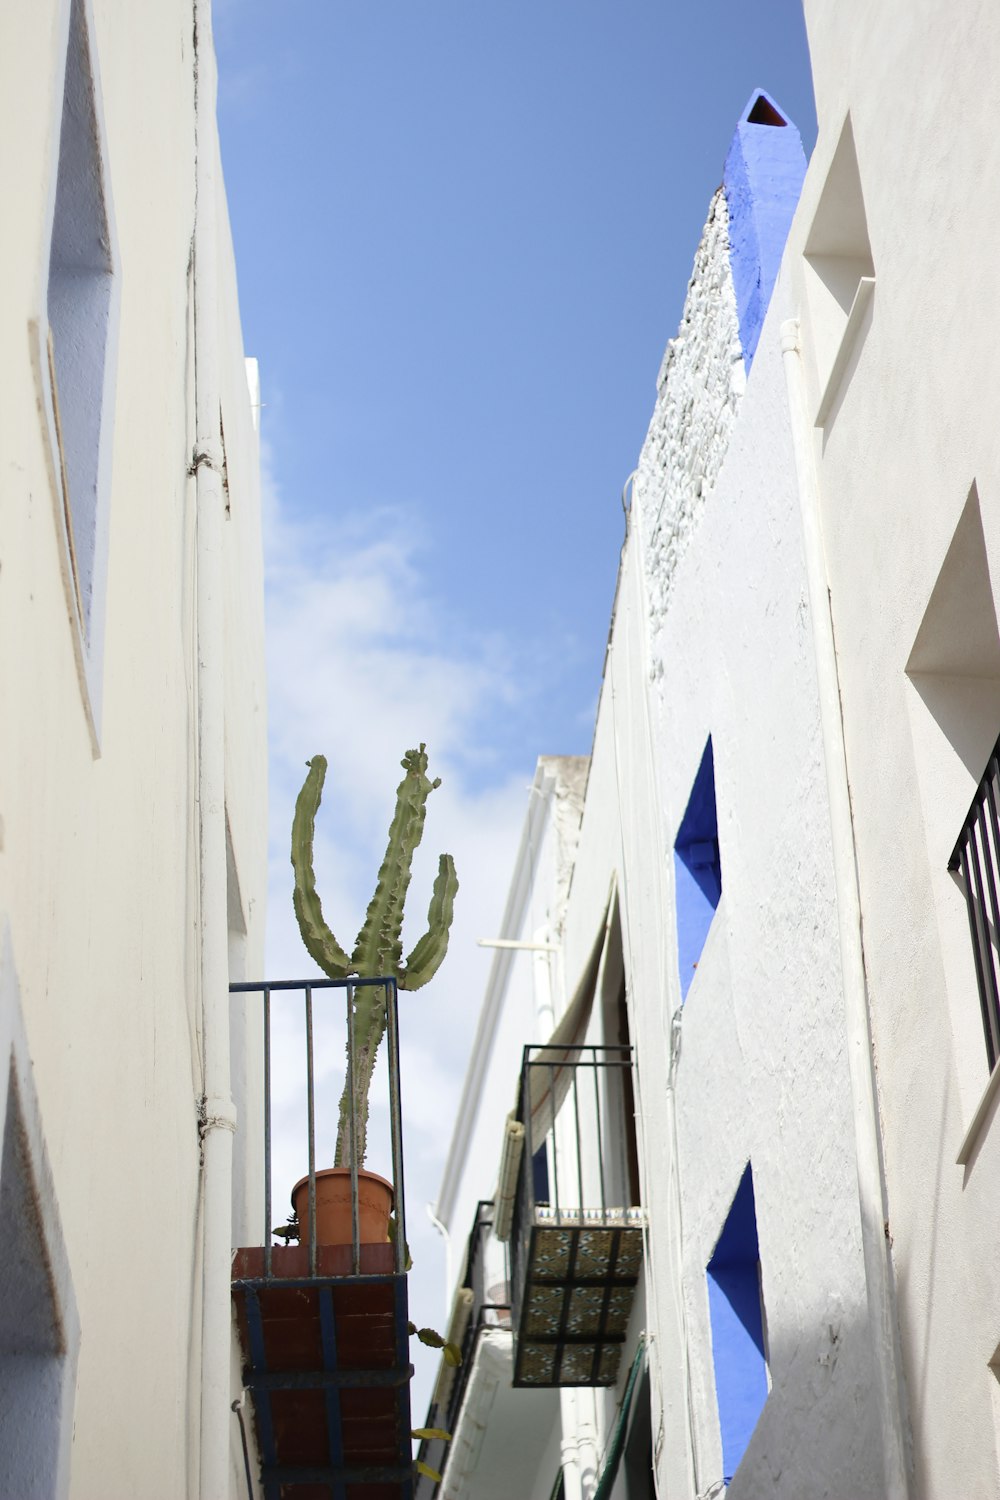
<point x="378" y="949"/>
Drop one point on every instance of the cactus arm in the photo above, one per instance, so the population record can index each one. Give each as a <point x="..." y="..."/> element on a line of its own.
<point x="379" y="947"/>
<point x="321" y="945"/>
<point x="378" y="950"/>
<point x="428" y="954"/>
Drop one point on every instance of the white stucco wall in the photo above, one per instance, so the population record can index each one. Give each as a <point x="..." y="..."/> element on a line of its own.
<point x="912" y="430"/>
<point x="712" y="636"/>
<point x="699" y="387"/>
<point x="761" y="1072"/>
<point x="98" y="867"/>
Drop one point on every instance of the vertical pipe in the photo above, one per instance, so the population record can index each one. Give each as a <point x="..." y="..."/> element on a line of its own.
<point x="524" y="1198"/>
<point x="970" y="906"/>
<point x="218" y="1113"/>
<point x="985" y="948"/>
<point x="569" y="1446"/>
<point x="552" y="1138"/>
<point x="993" y="855"/>
<point x="355" y="1242"/>
<point x="396" y="1123"/>
<point x="872" y="1198"/>
<point x="600" y="1140"/>
<point x="267" y="1132"/>
<point x="989" y="867"/>
<point x="311" y="1115"/>
<point x="576" y="1123"/>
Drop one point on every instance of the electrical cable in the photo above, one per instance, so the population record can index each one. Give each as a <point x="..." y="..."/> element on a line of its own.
<point x="238" y="1409"/>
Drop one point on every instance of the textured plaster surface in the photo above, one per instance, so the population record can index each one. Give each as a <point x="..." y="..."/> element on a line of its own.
<point x="761" y="1069"/>
<point x="711" y="635"/>
<point x="699" y="388"/>
<point x="914" y="428"/>
<point x="98" y="872"/>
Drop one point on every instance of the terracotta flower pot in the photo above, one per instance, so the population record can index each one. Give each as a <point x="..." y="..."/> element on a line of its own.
<point x="333" y="1207"/>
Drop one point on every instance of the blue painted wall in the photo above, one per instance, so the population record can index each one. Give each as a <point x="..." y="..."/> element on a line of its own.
<point x="734" y="1306"/>
<point x="762" y="182"/>
<point x="697" y="870"/>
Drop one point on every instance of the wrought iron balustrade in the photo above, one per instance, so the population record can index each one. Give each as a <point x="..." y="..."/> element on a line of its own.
<point x="976" y="857"/>
<point x="324" y="1327"/>
<point x="576" y="1235"/>
<point x="487" y="1280"/>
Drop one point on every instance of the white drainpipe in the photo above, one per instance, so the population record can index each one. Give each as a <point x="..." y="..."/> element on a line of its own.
<point x="569" y="1450"/>
<point x="864" y="1091"/>
<point x="218" y="1113"/>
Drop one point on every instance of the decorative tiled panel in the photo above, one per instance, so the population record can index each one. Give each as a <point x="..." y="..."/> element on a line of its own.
<point x="577" y="1300"/>
<point x="575" y="1254"/>
<point x="550" y="1257"/>
<point x="538" y="1364"/>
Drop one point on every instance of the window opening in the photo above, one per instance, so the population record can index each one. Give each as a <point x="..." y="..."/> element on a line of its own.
<point x="763" y="112"/>
<point x="954" y="708"/>
<point x="840" y="273"/>
<point x="540" y="1174"/>
<point x="736" y="1311"/>
<point x="78" y="307"/>
<point x="32" y="1352"/>
<point x="697" y="870"/>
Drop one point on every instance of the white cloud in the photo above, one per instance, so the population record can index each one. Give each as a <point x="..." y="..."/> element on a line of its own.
<point x="363" y="665"/>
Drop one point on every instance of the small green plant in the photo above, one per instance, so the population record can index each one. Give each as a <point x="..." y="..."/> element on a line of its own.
<point x="378" y="950"/>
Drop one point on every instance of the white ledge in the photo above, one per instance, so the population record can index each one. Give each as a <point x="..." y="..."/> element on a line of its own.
<point x="852" y="328"/>
<point x="971" y="1139"/>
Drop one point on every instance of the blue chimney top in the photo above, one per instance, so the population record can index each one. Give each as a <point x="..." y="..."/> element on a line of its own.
<point x="762" y="182"/>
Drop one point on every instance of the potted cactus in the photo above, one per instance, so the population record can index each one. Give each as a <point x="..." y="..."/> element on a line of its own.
<point x="377" y="954"/>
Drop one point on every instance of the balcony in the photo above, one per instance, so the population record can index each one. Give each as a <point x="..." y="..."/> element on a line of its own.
<point x="323" y="1327"/>
<point x="575" y="1230"/>
<point x="976" y="858"/>
<point x="501" y="1435"/>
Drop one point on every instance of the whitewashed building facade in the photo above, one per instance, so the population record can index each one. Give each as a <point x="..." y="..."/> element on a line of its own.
<point x="787" y="861"/>
<point x="132" y="759"/>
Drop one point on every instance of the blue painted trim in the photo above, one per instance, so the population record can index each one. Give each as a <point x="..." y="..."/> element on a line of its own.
<point x="402" y="1315"/>
<point x="334" y="1430"/>
<point x="262" y="1400"/>
<point x="736" y="1315"/>
<point x="697" y="870"/>
<point x="762" y="182"/>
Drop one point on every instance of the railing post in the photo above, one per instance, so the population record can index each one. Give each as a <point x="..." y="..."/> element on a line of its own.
<point x="311" y="1127"/>
<point x="267" y="1132"/>
<point x="355" y="1228"/>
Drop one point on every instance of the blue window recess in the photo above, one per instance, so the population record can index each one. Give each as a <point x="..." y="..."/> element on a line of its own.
<point x="697" y="870"/>
<point x="736" y="1311"/>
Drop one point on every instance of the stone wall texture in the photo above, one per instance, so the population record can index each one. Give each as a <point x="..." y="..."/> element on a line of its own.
<point x="699" y="388"/>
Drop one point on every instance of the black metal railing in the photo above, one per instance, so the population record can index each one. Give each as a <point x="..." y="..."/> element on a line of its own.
<point x="487" y="1277"/>
<point x="284" y="992"/>
<point x="976" y="857"/>
<point x="323" y="1325"/>
<point x="490" y="1299"/>
<point x="575" y="1165"/>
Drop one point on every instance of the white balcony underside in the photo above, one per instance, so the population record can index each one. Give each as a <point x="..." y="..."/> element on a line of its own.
<point x="499" y="1447"/>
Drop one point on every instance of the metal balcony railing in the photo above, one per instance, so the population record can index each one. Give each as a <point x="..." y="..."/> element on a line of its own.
<point x="487" y="1279"/>
<point x="487" y="1276"/>
<point x="576" y="1235"/>
<point x="324" y="1327"/>
<point x="976" y="857"/>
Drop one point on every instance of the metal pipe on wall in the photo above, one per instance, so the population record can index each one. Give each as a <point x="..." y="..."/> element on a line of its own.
<point x="218" y="1115"/>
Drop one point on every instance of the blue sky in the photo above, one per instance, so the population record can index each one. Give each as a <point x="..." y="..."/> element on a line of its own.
<point x="463" y="233"/>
